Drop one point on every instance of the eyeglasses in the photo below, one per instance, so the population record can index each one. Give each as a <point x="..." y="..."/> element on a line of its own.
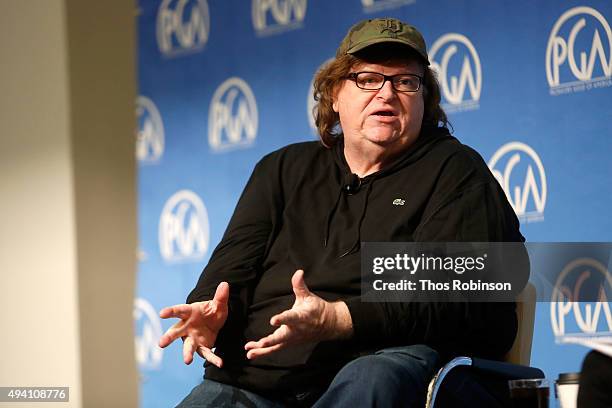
<point x="373" y="81"/>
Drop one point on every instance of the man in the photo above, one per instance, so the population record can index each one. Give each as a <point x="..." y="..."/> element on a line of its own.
<point x="280" y="297"/>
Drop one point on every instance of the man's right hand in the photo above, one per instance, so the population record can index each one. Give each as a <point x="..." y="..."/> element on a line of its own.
<point x="200" y="323"/>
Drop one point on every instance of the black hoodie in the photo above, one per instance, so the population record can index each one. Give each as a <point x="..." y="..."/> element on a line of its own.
<point x="302" y="209"/>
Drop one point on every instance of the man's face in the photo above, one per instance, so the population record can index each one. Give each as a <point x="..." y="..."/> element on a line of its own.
<point x="385" y="117"/>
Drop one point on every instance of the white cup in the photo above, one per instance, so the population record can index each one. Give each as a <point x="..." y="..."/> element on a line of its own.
<point x="566" y="389"/>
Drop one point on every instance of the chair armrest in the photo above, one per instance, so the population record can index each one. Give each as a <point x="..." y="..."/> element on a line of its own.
<point x="436" y="381"/>
<point x="498" y="369"/>
<point x="506" y="370"/>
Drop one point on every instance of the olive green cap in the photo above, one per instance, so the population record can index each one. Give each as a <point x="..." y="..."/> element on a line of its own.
<point x="382" y="30"/>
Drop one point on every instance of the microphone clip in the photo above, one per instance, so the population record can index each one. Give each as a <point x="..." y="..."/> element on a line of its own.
<point x="352" y="183"/>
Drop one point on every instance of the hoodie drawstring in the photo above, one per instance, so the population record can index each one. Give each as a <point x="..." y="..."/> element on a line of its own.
<point x="330" y="215"/>
<point x="356" y="245"/>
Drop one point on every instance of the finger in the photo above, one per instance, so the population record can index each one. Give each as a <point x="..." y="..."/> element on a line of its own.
<point x="288" y="317"/>
<point x="259" y="352"/>
<point x="210" y="356"/>
<point x="222" y="293"/>
<point x="299" y="286"/>
<point x="173" y="333"/>
<point x="188" y="349"/>
<point x="280" y="335"/>
<point x="179" y="311"/>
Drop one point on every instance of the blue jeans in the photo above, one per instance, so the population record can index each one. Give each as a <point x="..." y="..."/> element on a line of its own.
<point x="392" y="377"/>
<point x="217" y="395"/>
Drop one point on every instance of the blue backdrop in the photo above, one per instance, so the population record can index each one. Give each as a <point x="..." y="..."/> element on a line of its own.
<point x="526" y="83"/>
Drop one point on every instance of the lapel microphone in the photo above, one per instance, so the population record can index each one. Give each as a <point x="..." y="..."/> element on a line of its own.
<point x="352" y="183"/>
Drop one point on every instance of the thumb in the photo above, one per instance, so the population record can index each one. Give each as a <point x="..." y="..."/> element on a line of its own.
<point x="299" y="286"/>
<point x="222" y="293"/>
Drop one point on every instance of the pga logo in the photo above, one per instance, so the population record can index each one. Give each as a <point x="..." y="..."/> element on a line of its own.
<point x="454" y="58"/>
<point x="571" y="318"/>
<point x="182" y="26"/>
<point x="150" y="136"/>
<point x="183" y="228"/>
<point x="579" y="52"/>
<point x="370" y="6"/>
<point x="148" y="330"/>
<point x="519" y="170"/>
<point x="232" y="116"/>
<point x="276" y="16"/>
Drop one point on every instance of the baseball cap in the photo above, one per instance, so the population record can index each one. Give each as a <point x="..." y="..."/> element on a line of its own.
<point x="382" y="30"/>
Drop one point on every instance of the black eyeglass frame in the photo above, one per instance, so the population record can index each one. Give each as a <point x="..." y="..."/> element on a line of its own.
<point x="353" y="77"/>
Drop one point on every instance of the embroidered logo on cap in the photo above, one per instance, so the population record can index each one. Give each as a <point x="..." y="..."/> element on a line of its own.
<point x="393" y="26"/>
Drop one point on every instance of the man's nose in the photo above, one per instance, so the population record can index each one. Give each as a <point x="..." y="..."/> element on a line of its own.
<point x="386" y="92"/>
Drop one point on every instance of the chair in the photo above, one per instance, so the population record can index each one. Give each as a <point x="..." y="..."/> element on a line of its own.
<point x="495" y="373"/>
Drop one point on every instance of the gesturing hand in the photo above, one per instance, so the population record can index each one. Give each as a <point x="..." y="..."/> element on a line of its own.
<point x="311" y="319"/>
<point x="200" y="323"/>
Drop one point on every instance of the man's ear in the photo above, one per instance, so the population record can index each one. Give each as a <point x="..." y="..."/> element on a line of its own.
<point x="335" y="98"/>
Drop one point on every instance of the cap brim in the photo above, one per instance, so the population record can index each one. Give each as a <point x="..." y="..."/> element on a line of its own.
<point x="362" y="45"/>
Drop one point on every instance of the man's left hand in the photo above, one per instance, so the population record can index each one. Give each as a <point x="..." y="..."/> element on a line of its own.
<point x="311" y="319"/>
